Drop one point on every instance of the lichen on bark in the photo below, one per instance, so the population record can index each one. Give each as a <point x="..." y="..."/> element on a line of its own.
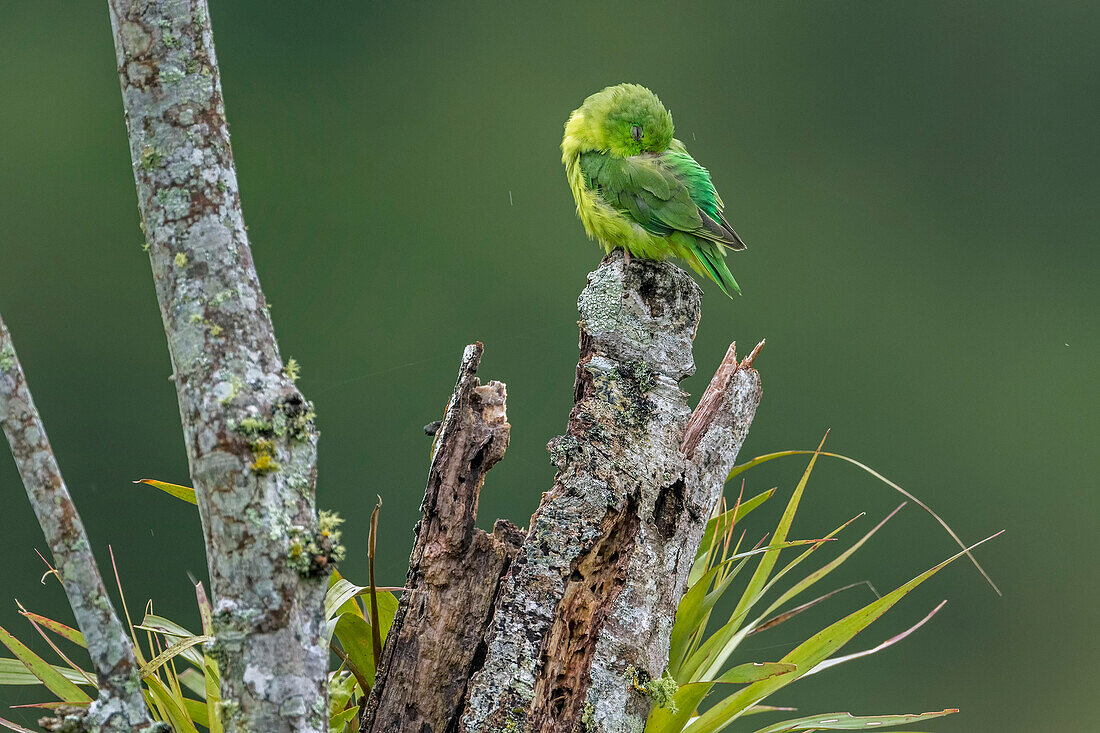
<point x="255" y="494"/>
<point x="119" y="706"/>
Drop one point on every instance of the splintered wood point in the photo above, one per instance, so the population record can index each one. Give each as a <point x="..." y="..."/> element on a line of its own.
<point x="454" y="570"/>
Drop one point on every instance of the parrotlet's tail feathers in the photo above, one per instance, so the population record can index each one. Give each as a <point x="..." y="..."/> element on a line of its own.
<point x="713" y="259"/>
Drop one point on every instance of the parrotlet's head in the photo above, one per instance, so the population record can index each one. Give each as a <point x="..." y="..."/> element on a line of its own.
<point x="623" y="120"/>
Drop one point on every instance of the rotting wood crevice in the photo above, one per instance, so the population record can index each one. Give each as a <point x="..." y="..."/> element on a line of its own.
<point x="668" y="507"/>
<point x="589" y="593"/>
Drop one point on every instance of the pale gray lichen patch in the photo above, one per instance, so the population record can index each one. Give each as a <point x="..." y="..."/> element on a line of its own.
<point x="175" y="202"/>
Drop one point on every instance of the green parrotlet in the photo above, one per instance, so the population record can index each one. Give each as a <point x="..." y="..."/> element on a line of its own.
<point x="637" y="188"/>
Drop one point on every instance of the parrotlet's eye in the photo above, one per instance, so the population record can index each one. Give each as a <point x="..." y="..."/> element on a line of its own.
<point x="636" y="133"/>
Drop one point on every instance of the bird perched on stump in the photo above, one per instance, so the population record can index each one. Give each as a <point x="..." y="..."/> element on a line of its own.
<point x="637" y="188"/>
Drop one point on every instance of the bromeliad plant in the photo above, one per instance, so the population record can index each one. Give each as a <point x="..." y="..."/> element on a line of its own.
<point x="181" y="681"/>
<point x="700" y="655"/>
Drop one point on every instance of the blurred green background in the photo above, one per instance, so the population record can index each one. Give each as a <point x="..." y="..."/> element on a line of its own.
<point x="917" y="183"/>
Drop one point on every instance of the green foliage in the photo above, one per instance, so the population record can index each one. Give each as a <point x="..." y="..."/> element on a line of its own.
<point x="186" y="493"/>
<point x="699" y="653"/>
<point x="181" y="680"/>
<point x="188" y="698"/>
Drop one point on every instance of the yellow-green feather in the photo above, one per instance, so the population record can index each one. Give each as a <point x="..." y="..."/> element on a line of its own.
<point x="662" y="203"/>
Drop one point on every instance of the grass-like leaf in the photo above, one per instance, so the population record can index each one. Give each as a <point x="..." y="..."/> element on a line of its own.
<point x="847" y="721"/>
<point x="65" y="632"/>
<point x="174" y="631"/>
<point x="713" y="654"/>
<point x="342" y="719"/>
<point x="55" y="681"/>
<point x="14" y="672"/>
<point x="673" y="717"/>
<point x="170" y="706"/>
<point x="354" y="635"/>
<point x="813" y="651"/>
<point x="767" y="563"/>
<point x="186" y="493"/>
<point x="736" y="470"/>
<point x="834" y="661"/>
<point x="176" y="649"/>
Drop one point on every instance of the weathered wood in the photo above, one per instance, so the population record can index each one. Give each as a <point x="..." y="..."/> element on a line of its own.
<point x="250" y="435"/>
<point x="454" y="570"/>
<point x="586" y="609"/>
<point x="120" y="706"/>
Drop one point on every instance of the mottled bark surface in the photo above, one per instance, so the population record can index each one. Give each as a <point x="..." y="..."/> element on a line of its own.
<point x="120" y="706"/>
<point x="454" y="570"/>
<point x="587" y="607"/>
<point x="251" y="441"/>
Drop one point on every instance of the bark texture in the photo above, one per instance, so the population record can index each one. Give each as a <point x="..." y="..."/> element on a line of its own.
<point x="585" y="612"/>
<point x="120" y="706"/>
<point x="250" y="435"/>
<point x="454" y="570"/>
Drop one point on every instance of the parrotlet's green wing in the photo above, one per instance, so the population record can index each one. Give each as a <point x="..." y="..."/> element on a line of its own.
<point x="697" y="180"/>
<point x="668" y="195"/>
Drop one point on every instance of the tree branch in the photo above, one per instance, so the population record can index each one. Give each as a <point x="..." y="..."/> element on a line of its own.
<point x="587" y="608"/>
<point x="251" y="441"/>
<point x="120" y="706"/>
<point x="454" y="570"/>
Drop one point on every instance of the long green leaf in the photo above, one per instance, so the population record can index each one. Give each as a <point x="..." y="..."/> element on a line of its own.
<point x="197" y="711"/>
<point x="65" y="632"/>
<point x="690" y="616"/>
<point x="788" y="615"/>
<point x="829" y="567"/>
<point x="14" y="672"/>
<point x="672" y="718"/>
<point x="194" y="681"/>
<point x="768" y="561"/>
<point x="834" y="661"/>
<point x="341" y="591"/>
<point x="737" y="513"/>
<point x="172" y="707"/>
<point x="770" y="456"/>
<point x="186" y="493"/>
<point x="757" y="709"/>
<point x="54" y="680"/>
<point x="176" y="649"/>
<point x="814" y="650"/>
<point x="717" y="649"/>
<point x="211" y="674"/>
<point x="847" y="721"/>
<point x="350" y="605"/>
<point x="340" y="720"/>
<point x="172" y="630"/>
<point x="387" y="610"/>
<point x="695" y="607"/>
<point x="354" y="635"/>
